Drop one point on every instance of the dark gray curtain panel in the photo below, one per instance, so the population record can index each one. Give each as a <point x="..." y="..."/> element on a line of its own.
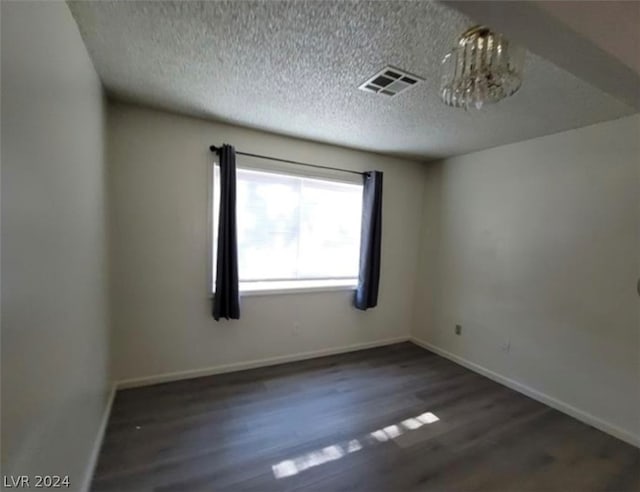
<point x="370" y="242"/>
<point x="226" y="302"/>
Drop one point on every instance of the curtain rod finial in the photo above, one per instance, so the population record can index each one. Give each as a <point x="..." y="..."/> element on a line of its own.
<point x="215" y="149"/>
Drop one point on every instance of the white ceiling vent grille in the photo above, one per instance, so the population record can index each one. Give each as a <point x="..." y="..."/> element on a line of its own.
<point x="390" y="81"/>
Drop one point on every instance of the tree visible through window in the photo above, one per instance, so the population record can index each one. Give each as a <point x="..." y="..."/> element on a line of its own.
<point x="294" y="227"/>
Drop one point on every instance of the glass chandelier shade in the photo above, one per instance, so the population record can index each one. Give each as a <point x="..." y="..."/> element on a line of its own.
<point x="483" y="68"/>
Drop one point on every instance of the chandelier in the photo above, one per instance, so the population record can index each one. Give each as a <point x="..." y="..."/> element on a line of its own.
<point x="483" y="68"/>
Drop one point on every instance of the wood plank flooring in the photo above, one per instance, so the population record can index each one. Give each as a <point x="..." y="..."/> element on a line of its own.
<point x="391" y="418"/>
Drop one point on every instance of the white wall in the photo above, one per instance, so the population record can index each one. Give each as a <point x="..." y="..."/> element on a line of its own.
<point x="594" y="19"/>
<point x="538" y="244"/>
<point x="161" y="166"/>
<point x="54" y="258"/>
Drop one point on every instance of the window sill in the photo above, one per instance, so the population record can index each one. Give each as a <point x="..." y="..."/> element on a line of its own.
<point x="295" y="287"/>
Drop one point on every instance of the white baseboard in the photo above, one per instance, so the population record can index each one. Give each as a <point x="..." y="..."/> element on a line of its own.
<point x="251" y="364"/>
<point x="95" y="450"/>
<point x="563" y="407"/>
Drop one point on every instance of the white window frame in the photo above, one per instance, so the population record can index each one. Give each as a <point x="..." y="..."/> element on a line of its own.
<point x="268" y="287"/>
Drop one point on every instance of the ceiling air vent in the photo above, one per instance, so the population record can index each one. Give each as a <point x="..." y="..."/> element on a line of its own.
<point x="390" y="81"/>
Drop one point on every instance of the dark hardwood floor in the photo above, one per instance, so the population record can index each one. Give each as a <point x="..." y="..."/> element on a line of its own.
<point x="390" y="418"/>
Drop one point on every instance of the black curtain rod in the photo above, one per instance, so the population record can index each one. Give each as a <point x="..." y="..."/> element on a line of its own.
<point x="215" y="149"/>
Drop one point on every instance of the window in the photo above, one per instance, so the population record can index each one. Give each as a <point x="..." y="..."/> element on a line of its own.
<point x="294" y="232"/>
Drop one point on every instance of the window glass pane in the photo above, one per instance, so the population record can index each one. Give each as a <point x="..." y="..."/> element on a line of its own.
<point x="329" y="229"/>
<point x="216" y="218"/>
<point x="292" y="227"/>
<point x="268" y="225"/>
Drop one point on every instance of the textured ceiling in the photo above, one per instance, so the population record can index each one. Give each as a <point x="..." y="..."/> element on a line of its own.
<point x="293" y="67"/>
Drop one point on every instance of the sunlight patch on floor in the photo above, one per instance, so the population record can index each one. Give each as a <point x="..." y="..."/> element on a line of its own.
<point x="293" y="466"/>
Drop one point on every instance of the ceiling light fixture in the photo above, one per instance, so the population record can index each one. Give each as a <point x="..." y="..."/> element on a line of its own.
<point x="483" y="68"/>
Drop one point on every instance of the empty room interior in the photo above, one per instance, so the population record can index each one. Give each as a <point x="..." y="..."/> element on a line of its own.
<point x="277" y="245"/>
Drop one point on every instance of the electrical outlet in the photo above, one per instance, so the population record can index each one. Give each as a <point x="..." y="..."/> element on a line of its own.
<point x="506" y="346"/>
<point x="458" y="329"/>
